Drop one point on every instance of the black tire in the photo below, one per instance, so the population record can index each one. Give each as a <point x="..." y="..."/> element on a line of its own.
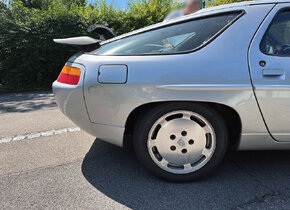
<point x="147" y="120"/>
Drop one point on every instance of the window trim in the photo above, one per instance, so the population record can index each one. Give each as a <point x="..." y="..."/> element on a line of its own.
<point x="241" y="11"/>
<point x="268" y="28"/>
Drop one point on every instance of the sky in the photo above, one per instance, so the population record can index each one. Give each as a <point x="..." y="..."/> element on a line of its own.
<point x="121" y="3"/>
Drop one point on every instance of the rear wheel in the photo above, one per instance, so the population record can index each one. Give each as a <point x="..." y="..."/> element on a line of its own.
<point x="181" y="141"/>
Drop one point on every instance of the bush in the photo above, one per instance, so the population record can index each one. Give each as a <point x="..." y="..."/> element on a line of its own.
<point x="221" y="2"/>
<point x="29" y="60"/>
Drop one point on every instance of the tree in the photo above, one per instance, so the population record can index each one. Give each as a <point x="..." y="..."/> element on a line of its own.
<point x="29" y="60"/>
<point x="76" y="2"/>
<point x="44" y="4"/>
<point x="221" y="2"/>
<point x="37" y="4"/>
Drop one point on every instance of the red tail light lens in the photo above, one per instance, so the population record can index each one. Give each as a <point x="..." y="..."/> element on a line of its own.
<point x="69" y="75"/>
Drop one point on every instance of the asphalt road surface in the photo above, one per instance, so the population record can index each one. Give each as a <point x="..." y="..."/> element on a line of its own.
<point x="47" y="162"/>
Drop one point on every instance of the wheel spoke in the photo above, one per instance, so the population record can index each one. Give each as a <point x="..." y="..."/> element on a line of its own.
<point x="152" y="143"/>
<point x="206" y="152"/>
<point x="207" y="129"/>
<point x="187" y="166"/>
<point x="187" y="116"/>
<point x="162" y="122"/>
<point x="164" y="163"/>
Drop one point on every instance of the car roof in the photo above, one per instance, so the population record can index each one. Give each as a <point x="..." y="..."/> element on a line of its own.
<point x="200" y="13"/>
<point x="241" y="4"/>
<point x="262" y="2"/>
<point x="257" y="2"/>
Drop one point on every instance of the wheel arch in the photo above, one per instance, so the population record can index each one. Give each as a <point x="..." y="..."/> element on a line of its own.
<point x="229" y="115"/>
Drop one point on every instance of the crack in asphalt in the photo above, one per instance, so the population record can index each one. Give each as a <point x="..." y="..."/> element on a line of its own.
<point x="40" y="168"/>
<point x="257" y="199"/>
<point x="250" y="175"/>
<point x="51" y="166"/>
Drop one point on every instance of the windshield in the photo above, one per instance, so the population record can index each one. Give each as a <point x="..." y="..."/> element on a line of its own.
<point x="180" y="37"/>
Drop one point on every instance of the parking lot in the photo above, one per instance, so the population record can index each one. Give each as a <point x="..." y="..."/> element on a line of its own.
<point x="47" y="162"/>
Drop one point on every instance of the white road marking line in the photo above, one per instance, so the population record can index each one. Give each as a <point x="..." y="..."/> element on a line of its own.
<point x="37" y="135"/>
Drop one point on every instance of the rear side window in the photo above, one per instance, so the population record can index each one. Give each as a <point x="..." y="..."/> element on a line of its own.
<point x="276" y="41"/>
<point x="181" y="37"/>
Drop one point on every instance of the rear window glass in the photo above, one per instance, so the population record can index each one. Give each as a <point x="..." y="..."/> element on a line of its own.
<point x="171" y="39"/>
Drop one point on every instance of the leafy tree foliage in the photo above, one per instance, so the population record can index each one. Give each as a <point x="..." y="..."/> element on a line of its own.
<point x="44" y="4"/>
<point x="29" y="60"/>
<point x="221" y="2"/>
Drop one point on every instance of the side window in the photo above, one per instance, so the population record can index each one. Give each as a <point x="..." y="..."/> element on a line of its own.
<point x="180" y="37"/>
<point x="276" y="41"/>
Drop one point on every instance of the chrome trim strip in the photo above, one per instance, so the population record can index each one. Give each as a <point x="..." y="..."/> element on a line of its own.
<point x="259" y="134"/>
<point x="261" y="142"/>
<point x="273" y="87"/>
<point x="254" y="134"/>
<point x="115" y="126"/>
<point x="206" y="87"/>
<point x="280" y="134"/>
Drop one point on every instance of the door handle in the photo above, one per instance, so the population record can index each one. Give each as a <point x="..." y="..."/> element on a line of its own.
<point x="273" y="72"/>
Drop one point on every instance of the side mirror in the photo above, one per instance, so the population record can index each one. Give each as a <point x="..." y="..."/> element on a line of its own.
<point x="103" y="31"/>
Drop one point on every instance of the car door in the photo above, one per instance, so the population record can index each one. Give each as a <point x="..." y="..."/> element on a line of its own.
<point x="269" y="62"/>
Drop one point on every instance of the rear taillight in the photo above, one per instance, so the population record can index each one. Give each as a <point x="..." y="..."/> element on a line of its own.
<point x="69" y="75"/>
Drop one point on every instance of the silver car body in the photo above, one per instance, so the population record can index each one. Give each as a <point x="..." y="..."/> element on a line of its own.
<point x="225" y="72"/>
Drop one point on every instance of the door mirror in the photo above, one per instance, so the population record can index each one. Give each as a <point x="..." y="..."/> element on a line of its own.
<point x="103" y="31"/>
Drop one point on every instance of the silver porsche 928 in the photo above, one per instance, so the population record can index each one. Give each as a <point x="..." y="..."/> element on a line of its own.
<point x="188" y="89"/>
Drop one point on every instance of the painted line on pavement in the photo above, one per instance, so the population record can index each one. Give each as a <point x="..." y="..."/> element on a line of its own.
<point x="37" y="135"/>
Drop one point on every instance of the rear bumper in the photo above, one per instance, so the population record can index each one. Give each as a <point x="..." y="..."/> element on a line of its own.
<point x="107" y="133"/>
<point x="71" y="102"/>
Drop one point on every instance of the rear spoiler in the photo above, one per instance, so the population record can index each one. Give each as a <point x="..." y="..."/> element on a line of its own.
<point x="103" y="31"/>
<point x="87" y="43"/>
<point x="84" y="43"/>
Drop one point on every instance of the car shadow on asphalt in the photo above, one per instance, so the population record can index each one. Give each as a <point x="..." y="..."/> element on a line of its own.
<point x="243" y="178"/>
<point x="25" y="102"/>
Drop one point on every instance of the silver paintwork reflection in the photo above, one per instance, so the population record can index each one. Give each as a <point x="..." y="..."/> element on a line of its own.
<point x="206" y="87"/>
<point x="218" y="73"/>
<point x="181" y="145"/>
